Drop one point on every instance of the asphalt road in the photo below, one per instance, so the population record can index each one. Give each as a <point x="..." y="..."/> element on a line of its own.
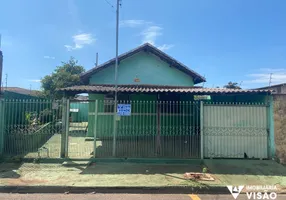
<point x="121" y="197"/>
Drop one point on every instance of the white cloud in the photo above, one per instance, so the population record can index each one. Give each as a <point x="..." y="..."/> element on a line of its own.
<point x="49" y="57"/>
<point x="132" y="23"/>
<point x="263" y="76"/>
<point x="150" y="34"/>
<point x="35" y="80"/>
<point x="80" y="40"/>
<point x="272" y="70"/>
<point x="165" y="47"/>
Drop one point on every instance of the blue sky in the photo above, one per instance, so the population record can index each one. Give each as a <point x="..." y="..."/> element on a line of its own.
<point x="239" y="40"/>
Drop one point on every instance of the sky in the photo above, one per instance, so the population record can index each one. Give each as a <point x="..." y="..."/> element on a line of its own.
<point x="242" y="41"/>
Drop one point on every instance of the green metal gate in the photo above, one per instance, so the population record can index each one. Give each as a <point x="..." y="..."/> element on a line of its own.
<point x="235" y="130"/>
<point x="154" y="129"/>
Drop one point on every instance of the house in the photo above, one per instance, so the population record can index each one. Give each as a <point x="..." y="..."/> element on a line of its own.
<point x="167" y="115"/>
<point x="277" y="89"/>
<point x="19" y="93"/>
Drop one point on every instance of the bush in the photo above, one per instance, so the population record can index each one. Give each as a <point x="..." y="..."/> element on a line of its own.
<point x="46" y="116"/>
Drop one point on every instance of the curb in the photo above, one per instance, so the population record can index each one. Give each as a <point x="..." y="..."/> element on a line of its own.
<point x="130" y="190"/>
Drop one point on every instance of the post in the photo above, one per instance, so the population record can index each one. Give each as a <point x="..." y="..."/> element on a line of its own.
<point x="115" y="83"/>
<point x="67" y="129"/>
<point x="158" y="135"/>
<point x="64" y="108"/>
<point x="95" y="127"/>
<point x="1" y="68"/>
<point x="271" y="138"/>
<point x="96" y="64"/>
<point x="2" y="126"/>
<point x="202" y="128"/>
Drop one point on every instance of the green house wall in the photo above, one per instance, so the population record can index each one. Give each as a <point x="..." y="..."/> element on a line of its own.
<point x="147" y="69"/>
<point x="146" y="103"/>
<point x="82" y="114"/>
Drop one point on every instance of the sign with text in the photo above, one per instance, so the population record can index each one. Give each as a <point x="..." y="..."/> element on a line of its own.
<point x="124" y="109"/>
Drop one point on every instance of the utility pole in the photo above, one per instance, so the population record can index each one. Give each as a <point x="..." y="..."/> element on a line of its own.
<point x="1" y="67"/>
<point x="270" y="79"/>
<point x="115" y="83"/>
<point x="96" y="62"/>
<point x="6" y="80"/>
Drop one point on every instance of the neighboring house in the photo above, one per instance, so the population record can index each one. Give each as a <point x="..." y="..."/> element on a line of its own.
<point x="277" y="89"/>
<point x="166" y="112"/>
<point x="19" y="93"/>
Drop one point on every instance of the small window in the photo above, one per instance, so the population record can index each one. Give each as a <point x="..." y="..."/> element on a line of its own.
<point x="109" y="103"/>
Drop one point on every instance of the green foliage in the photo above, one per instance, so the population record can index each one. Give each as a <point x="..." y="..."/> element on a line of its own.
<point x="205" y="170"/>
<point x="232" y="85"/>
<point x="64" y="76"/>
<point x="30" y="117"/>
<point x="46" y="116"/>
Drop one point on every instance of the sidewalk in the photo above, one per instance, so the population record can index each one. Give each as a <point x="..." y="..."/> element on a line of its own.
<point x="140" y="176"/>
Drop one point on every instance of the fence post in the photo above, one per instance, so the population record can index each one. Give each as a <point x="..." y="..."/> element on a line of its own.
<point x="95" y="127"/>
<point x="67" y="128"/>
<point x="2" y="126"/>
<point x="271" y="129"/>
<point x="114" y="129"/>
<point x="64" y="107"/>
<point x="202" y="128"/>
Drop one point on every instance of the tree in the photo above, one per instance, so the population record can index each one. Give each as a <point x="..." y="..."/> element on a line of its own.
<point x="232" y="85"/>
<point x="66" y="75"/>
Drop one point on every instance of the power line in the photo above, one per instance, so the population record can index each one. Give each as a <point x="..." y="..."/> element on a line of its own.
<point x="109" y="3"/>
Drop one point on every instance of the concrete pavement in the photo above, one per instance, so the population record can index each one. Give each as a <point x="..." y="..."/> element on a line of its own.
<point x="6" y="196"/>
<point x="225" y="172"/>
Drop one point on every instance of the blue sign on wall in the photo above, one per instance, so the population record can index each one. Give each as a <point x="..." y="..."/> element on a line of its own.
<point x="124" y="109"/>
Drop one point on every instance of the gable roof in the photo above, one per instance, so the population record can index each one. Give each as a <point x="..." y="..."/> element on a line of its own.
<point x="20" y="91"/>
<point x="148" y="48"/>
<point x="272" y="86"/>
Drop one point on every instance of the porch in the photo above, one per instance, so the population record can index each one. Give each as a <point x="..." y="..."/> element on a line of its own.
<point x="178" y="122"/>
<point x="164" y="122"/>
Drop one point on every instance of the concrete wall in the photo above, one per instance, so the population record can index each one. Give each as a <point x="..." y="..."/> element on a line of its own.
<point x="279" y="89"/>
<point x="147" y="69"/>
<point x="280" y="126"/>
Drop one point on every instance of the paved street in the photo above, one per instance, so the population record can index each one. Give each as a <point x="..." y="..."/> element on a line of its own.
<point x="121" y="197"/>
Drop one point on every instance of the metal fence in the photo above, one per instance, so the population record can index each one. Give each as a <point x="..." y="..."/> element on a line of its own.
<point x="31" y="127"/>
<point x="154" y="129"/>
